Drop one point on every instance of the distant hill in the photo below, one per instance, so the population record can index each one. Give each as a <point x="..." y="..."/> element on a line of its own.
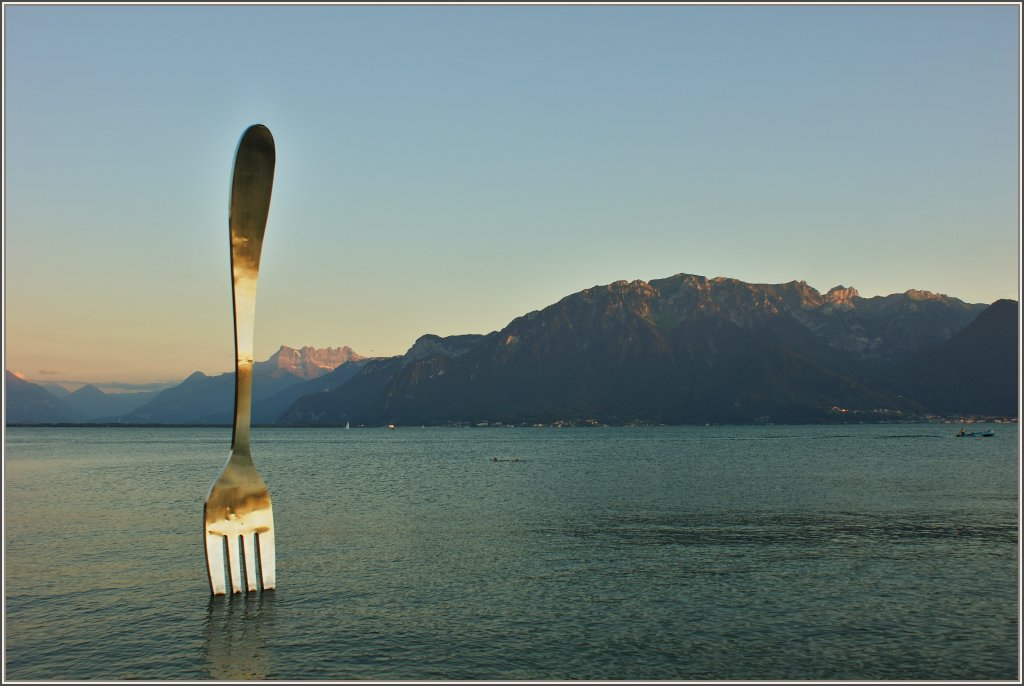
<point x="357" y="399"/>
<point x="94" y="405"/>
<point x="974" y="371"/>
<point x="686" y="349"/>
<point x="29" y="403"/>
<point x="267" y="410"/>
<point x="203" y="399"/>
<point x="55" y="389"/>
<point x="279" y="380"/>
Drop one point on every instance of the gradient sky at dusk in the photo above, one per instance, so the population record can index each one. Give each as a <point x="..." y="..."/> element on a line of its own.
<point x="446" y="169"/>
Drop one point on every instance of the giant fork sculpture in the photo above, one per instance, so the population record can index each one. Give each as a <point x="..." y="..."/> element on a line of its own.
<point x="237" y="513"/>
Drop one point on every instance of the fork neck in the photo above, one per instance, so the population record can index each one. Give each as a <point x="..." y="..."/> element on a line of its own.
<point x="244" y="296"/>
<point x="243" y="408"/>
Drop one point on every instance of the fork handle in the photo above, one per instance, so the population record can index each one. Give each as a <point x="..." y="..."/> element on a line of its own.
<point x="251" y="183"/>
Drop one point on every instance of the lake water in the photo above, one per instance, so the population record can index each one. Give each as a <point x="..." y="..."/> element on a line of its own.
<point x="698" y="553"/>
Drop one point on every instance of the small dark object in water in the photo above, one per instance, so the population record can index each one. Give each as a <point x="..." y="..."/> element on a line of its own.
<point x="973" y="434"/>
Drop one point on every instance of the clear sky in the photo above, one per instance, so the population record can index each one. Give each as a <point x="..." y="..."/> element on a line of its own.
<point x="445" y="169"/>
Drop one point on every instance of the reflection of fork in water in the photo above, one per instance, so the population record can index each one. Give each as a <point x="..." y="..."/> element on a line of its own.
<point x="236" y="635"/>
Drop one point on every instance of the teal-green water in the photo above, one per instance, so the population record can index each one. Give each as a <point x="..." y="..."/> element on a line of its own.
<point x="701" y="553"/>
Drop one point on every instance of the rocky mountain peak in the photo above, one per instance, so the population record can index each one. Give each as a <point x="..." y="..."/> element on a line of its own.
<point x="842" y="296"/>
<point x="308" y="362"/>
<point x="913" y="294"/>
<point x="635" y="286"/>
<point x="430" y="345"/>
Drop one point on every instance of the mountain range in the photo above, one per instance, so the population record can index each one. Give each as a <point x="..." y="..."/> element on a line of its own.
<point x="680" y="350"/>
<point x="200" y="399"/>
<point x="688" y="349"/>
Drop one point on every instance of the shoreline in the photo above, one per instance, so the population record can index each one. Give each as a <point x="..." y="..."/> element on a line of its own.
<point x="559" y="424"/>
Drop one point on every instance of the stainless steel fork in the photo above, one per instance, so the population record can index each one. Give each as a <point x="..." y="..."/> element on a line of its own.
<point x="238" y="522"/>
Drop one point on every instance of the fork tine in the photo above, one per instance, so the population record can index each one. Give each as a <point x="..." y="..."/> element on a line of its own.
<point x="249" y="548"/>
<point x="215" y="563"/>
<point x="233" y="564"/>
<point x="266" y="540"/>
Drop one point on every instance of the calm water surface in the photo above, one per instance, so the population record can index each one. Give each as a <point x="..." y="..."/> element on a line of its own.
<point x="868" y="552"/>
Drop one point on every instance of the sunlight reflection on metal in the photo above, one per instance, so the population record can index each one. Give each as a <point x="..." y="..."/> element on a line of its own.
<point x="238" y="521"/>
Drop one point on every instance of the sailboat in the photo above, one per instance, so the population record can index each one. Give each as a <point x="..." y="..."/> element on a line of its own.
<point x="347" y="425"/>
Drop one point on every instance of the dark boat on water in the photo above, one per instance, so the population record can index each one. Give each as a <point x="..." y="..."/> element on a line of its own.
<point x="975" y="434"/>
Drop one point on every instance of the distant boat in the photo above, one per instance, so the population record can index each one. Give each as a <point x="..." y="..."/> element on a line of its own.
<point x="391" y="426"/>
<point x="347" y="425"/>
<point x="975" y="434"/>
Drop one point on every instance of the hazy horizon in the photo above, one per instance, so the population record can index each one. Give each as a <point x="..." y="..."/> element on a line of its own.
<point x="445" y="169"/>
